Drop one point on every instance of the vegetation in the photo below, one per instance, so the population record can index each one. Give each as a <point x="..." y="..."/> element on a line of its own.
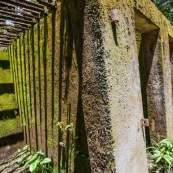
<point x="36" y="163"/>
<point x="162" y="156"/>
<point x="166" y="7"/>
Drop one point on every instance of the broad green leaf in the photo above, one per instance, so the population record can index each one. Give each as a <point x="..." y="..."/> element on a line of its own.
<point x="33" y="166"/>
<point x="35" y="157"/>
<point x="46" y="160"/>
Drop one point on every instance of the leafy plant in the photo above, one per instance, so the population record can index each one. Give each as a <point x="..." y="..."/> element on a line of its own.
<point x="162" y="155"/>
<point x="166" y="7"/>
<point x="39" y="163"/>
<point x="36" y="163"/>
<point x="69" y="128"/>
<point x="21" y="151"/>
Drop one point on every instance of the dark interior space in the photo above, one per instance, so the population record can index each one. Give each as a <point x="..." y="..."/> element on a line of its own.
<point x="4" y="64"/>
<point x="6" y="88"/>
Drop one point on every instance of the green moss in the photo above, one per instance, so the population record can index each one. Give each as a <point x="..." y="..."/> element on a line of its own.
<point x="6" y="76"/>
<point x="138" y="40"/>
<point x="7" y="102"/>
<point x="51" y="143"/>
<point x="3" y="55"/>
<point x="8" y="127"/>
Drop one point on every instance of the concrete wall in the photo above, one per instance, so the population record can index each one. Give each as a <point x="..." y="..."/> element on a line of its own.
<point x="10" y="128"/>
<point x="77" y="66"/>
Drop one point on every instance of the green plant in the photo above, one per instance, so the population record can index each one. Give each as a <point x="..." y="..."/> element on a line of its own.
<point x="166" y="7"/>
<point x="36" y="163"/>
<point x="162" y="155"/>
<point x="39" y="163"/>
<point x="69" y="128"/>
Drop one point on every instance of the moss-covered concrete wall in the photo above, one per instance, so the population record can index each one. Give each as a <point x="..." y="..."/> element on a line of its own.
<point x="48" y="89"/>
<point x="76" y="65"/>
<point x="9" y="119"/>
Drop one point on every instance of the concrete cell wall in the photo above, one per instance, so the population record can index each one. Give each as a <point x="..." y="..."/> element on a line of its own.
<point x="10" y="127"/>
<point x="77" y="66"/>
<point x="46" y="73"/>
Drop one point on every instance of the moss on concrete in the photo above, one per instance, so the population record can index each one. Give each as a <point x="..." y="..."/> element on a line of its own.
<point x="7" y="102"/>
<point x="8" y="127"/>
<point x="3" y="55"/>
<point x="6" y="76"/>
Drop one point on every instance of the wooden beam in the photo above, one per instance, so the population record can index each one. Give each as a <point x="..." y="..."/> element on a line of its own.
<point x="7" y="37"/>
<point x="17" y="23"/>
<point x="4" y="46"/>
<point x="8" y="34"/>
<point x="24" y="5"/>
<point x="17" y="19"/>
<point x="12" y="32"/>
<point x="36" y="4"/>
<point x="7" y="27"/>
<point x="5" y="40"/>
<point x="5" y="43"/>
<point x="13" y="26"/>
<point x="27" y="11"/>
<point x="13" y="14"/>
<point x="48" y="4"/>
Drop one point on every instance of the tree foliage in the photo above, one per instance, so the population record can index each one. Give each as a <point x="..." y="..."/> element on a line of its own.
<point x="166" y="7"/>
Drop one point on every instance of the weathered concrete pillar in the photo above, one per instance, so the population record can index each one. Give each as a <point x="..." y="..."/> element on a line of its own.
<point x="168" y="78"/>
<point x="159" y="83"/>
<point x="154" y="83"/>
<point x="111" y="91"/>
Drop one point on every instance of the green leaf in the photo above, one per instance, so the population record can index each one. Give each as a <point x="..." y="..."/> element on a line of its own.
<point x="21" y="151"/>
<point x="40" y="153"/>
<point x="167" y="160"/>
<point x="69" y="126"/>
<point x="33" y="166"/>
<point x="23" y="158"/>
<point x="159" y="158"/>
<point x="46" y="160"/>
<point x="35" y="157"/>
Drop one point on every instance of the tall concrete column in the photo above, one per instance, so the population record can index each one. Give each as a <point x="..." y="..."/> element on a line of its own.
<point x="155" y="84"/>
<point x="111" y="91"/>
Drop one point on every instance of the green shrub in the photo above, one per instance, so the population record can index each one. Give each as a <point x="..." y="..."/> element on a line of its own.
<point x="161" y="155"/>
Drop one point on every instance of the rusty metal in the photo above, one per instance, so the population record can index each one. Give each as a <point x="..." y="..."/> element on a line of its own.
<point x="145" y="122"/>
